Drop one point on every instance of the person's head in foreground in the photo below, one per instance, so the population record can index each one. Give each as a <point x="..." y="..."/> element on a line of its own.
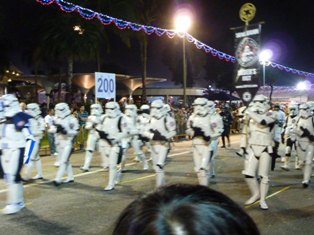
<point x="183" y="209"/>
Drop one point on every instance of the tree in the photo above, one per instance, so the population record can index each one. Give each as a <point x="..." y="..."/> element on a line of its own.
<point x="146" y="12"/>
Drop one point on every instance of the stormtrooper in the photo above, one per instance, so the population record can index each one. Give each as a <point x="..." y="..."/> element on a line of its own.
<point x="199" y="127"/>
<point x="277" y="131"/>
<point x="217" y="128"/>
<point x="160" y="130"/>
<point x="65" y="128"/>
<point x="142" y="121"/>
<point x="132" y="137"/>
<point x="92" y="121"/>
<point x="16" y="144"/>
<point x="304" y="131"/>
<point x="290" y="137"/>
<point x="256" y="143"/>
<point x="37" y="125"/>
<point x="111" y="131"/>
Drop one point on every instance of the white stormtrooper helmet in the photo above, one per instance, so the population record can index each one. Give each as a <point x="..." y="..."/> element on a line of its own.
<point x="200" y="106"/>
<point x="62" y="110"/>
<point x="311" y="105"/>
<point x="260" y="104"/>
<point x="305" y="110"/>
<point x="211" y="106"/>
<point x="112" y="109"/>
<point x="157" y="109"/>
<point x="167" y="108"/>
<point x="130" y="110"/>
<point x="96" y="109"/>
<point x="293" y="109"/>
<point x="145" y="108"/>
<point x="33" y="109"/>
<point x="11" y="105"/>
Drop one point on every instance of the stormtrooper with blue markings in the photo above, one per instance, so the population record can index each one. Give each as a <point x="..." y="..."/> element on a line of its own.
<point x="92" y="121"/>
<point x="304" y="131"/>
<point x="65" y="128"/>
<point x="37" y="125"/>
<point x="199" y="127"/>
<point x="256" y="143"/>
<point x="132" y="138"/>
<point x="112" y="130"/>
<point x="160" y="130"/>
<point x="290" y="136"/>
<point x="17" y="144"/>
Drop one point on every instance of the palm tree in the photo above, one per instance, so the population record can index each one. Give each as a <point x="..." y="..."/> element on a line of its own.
<point x="146" y="12"/>
<point x="68" y="38"/>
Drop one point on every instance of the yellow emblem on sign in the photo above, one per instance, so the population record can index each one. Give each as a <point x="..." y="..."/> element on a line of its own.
<point x="247" y="12"/>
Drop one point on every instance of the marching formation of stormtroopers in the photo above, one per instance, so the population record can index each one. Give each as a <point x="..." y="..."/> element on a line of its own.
<point x="113" y="132"/>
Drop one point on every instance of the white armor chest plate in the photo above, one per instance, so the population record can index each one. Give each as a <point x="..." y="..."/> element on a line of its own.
<point x="291" y="123"/>
<point x="259" y="134"/>
<point x="305" y="124"/>
<point x="110" y="125"/>
<point x="10" y="137"/>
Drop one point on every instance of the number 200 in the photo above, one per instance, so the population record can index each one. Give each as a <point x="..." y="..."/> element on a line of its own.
<point x="105" y="85"/>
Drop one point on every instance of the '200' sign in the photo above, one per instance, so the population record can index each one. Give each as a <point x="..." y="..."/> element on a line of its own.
<point x="105" y="85"/>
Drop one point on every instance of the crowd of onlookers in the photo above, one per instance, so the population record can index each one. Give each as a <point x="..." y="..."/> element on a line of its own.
<point x="228" y="111"/>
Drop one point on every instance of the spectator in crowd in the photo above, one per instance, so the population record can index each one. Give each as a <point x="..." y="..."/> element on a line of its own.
<point x="49" y="120"/>
<point x="184" y="209"/>
<point x="82" y="116"/>
<point x="227" y="121"/>
<point x="23" y="106"/>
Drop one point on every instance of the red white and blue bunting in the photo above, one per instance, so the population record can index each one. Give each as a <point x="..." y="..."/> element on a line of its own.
<point x="89" y="14"/>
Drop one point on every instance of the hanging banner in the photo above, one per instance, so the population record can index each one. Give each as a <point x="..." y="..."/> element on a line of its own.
<point x="247" y="67"/>
<point x="105" y="85"/>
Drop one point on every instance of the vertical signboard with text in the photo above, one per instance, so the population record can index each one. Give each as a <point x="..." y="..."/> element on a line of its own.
<point x="247" y="69"/>
<point x="105" y="85"/>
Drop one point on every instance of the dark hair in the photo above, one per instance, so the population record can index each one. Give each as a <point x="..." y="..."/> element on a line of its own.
<point x="183" y="209"/>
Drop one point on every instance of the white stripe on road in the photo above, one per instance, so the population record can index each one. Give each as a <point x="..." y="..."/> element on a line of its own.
<point x="92" y="172"/>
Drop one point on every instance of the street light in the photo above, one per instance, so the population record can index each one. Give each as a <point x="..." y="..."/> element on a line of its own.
<point x="264" y="57"/>
<point x="183" y="22"/>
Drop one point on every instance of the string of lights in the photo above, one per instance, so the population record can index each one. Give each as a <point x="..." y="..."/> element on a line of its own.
<point x="89" y="14"/>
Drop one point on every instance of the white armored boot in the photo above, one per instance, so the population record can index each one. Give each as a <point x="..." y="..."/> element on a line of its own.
<point x="160" y="179"/>
<point x="297" y="163"/>
<point x="88" y="159"/>
<point x="307" y="175"/>
<point x="254" y="189"/>
<point x="39" y="169"/>
<point x="202" y="177"/>
<point x="60" y="173"/>
<point x="112" y="179"/>
<point x="28" y="170"/>
<point x="285" y="165"/>
<point x="142" y="158"/>
<point x="70" y="178"/>
<point x="13" y="205"/>
<point x="264" y="190"/>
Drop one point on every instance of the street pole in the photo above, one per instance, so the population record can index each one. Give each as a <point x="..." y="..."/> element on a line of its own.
<point x="264" y="73"/>
<point x="184" y="71"/>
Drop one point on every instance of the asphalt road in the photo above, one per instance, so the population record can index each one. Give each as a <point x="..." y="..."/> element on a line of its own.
<point x="84" y="208"/>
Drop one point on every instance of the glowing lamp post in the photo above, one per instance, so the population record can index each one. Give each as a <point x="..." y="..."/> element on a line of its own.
<point x="264" y="57"/>
<point x="182" y="24"/>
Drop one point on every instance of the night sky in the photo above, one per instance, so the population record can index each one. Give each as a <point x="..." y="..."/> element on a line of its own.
<point x="287" y="31"/>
